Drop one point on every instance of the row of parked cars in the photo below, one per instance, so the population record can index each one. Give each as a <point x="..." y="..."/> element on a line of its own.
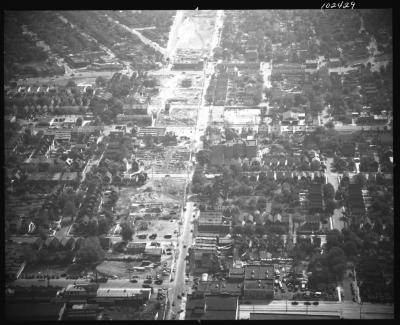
<point x="38" y="276"/>
<point x="307" y="303"/>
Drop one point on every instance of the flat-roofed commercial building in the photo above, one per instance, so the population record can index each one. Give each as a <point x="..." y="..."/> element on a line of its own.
<point x="259" y="282"/>
<point x="121" y="295"/>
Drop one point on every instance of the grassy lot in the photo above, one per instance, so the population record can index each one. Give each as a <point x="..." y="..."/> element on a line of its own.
<point x="51" y="269"/>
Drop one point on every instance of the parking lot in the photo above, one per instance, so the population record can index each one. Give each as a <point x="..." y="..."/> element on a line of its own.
<point x="163" y="229"/>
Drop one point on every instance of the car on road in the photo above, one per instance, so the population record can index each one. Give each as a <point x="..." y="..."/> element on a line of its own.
<point x="146" y="286"/>
<point x="315" y="303"/>
<point x="184" y="209"/>
<point x="167" y="236"/>
<point x="153" y="236"/>
<point x="307" y="303"/>
<point x="295" y="303"/>
<point x="184" y="246"/>
<point x="158" y="282"/>
<point x="134" y="280"/>
<point x="179" y="297"/>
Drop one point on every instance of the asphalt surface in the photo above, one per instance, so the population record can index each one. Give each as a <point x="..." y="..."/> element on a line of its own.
<point x="185" y="239"/>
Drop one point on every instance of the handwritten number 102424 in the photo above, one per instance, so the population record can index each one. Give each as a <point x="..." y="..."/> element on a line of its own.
<point x="338" y="5"/>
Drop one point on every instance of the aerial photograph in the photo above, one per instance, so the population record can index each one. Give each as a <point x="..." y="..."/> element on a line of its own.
<point x="198" y="164"/>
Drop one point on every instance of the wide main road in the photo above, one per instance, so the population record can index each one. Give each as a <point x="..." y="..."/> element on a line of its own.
<point x="184" y="243"/>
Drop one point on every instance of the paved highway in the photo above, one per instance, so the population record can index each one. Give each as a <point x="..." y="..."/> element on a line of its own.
<point x="180" y="266"/>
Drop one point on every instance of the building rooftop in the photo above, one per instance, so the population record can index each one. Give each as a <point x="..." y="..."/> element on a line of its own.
<point x="256" y="272"/>
<point x="285" y="316"/>
<point x="121" y="292"/>
<point x="261" y="285"/>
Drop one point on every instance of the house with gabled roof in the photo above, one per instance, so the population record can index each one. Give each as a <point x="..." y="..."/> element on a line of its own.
<point x="52" y="243"/>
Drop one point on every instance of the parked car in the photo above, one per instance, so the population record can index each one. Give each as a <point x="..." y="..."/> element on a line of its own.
<point x="307" y="303"/>
<point x="295" y="303"/>
<point x="315" y="303"/>
<point x="133" y="280"/>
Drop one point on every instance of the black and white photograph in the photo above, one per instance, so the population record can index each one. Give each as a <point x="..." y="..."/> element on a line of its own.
<point x="198" y="164"/>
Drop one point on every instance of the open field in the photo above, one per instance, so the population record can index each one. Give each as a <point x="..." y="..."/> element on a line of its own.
<point x="196" y="32"/>
<point x="82" y="77"/>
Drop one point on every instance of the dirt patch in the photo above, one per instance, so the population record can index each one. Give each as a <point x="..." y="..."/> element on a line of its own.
<point x="119" y="269"/>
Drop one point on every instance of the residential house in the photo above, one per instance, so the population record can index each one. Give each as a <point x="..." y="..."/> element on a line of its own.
<point x="67" y="243"/>
<point x="38" y="243"/>
<point x="135" y="248"/>
<point x="152" y="253"/>
<point x="52" y="243"/>
<point x="315" y="198"/>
